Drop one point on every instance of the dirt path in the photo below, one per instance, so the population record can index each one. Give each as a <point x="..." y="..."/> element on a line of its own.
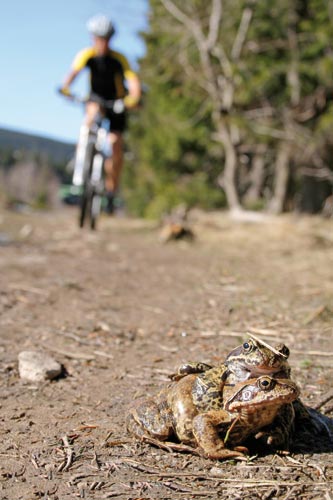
<point x="121" y="311"/>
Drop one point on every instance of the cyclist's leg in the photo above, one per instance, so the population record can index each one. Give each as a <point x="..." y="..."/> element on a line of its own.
<point x="112" y="167"/>
<point x="82" y="152"/>
<point x="114" y="163"/>
<point x="92" y="108"/>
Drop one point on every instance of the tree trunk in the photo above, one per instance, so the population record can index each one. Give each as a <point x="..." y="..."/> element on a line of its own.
<point x="256" y="176"/>
<point x="281" y="179"/>
<point x="227" y="179"/>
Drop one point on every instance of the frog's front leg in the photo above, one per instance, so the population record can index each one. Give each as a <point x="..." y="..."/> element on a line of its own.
<point x="279" y="434"/>
<point x="190" y="368"/>
<point x="206" y="432"/>
<point x="150" y="418"/>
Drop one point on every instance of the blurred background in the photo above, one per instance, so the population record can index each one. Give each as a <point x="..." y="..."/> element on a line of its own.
<point x="237" y="110"/>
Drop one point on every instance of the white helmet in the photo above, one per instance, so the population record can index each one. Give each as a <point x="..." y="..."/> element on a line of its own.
<point x="100" y="25"/>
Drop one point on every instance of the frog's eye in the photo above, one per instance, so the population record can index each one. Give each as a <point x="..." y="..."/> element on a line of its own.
<point x="266" y="383"/>
<point x="283" y="349"/>
<point x="247" y="346"/>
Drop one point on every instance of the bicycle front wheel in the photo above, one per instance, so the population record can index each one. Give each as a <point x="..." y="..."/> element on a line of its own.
<point x="85" y="204"/>
<point x="97" y="188"/>
<point x="95" y="209"/>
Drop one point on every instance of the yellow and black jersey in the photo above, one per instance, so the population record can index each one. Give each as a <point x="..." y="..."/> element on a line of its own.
<point x="107" y="72"/>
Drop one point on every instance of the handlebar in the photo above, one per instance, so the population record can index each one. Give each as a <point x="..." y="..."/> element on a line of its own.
<point x="117" y="105"/>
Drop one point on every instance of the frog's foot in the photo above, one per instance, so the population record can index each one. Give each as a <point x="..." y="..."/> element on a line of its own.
<point x="242" y="449"/>
<point x="188" y="369"/>
<point x="274" y="438"/>
<point x="221" y="453"/>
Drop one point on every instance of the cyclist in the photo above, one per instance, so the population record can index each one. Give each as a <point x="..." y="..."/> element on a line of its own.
<point x="109" y="72"/>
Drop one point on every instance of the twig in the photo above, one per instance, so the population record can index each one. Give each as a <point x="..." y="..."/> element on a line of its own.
<point x="103" y="354"/>
<point x="319" y="469"/>
<point x="73" y="337"/>
<point x="313" y="353"/>
<point x="328" y="410"/>
<point x="84" y="427"/>
<point x="34" y="461"/>
<point x="96" y="485"/>
<point x="170" y="447"/>
<point x="96" y="461"/>
<point x="65" y="465"/>
<point x="30" y="289"/>
<point x="315" y="314"/>
<point x="71" y="355"/>
<point x="268" y="346"/>
<point x="176" y="487"/>
<point x="323" y="401"/>
<point x="246" y="483"/>
<point x="291" y="493"/>
<point x="263" y="331"/>
<point x="227" y="434"/>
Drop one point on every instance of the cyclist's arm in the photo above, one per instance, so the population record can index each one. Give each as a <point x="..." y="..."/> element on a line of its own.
<point x="69" y="79"/>
<point x="79" y="63"/>
<point x="132" y="80"/>
<point x="134" y="89"/>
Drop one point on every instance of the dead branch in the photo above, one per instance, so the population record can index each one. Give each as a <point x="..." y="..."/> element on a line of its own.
<point x="201" y="42"/>
<point x="320" y="173"/>
<point x="241" y="34"/>
<point x="214" y="24"/>
<point x="178" y="14"/>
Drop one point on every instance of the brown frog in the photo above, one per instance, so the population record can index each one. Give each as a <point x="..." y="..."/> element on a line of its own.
<point x="251" y="359"/>
<point x="252" y="410"/>
<point x="249" y="406"/>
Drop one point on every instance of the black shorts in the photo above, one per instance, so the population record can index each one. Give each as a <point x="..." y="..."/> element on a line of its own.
<point x="118" y="121"/>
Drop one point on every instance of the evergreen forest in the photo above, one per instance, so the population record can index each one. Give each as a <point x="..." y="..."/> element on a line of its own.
<point x="238" y="108"/>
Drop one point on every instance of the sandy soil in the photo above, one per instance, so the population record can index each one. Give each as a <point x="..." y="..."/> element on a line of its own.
<point x="120" y="310"/>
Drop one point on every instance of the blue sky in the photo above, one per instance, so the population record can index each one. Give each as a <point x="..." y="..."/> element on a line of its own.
<point x="40" y="39"/>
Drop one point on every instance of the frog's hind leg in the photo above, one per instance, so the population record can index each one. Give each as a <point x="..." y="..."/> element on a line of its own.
<point x="149" y="418"/>
<point x="206" y="432"/>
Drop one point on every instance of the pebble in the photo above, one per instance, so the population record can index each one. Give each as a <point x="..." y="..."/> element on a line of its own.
<point x="37" y="366"/>
<point x="5" y="239"/>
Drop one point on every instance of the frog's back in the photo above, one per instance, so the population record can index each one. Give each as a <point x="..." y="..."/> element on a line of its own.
<point x="207" y="389"/>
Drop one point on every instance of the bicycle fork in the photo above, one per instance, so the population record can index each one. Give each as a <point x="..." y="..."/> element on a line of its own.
<point x="98" y="161"/>
<point x="82" y="155"/>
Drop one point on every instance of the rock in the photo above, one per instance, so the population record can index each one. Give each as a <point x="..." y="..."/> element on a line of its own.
<point x="37" y="366"/>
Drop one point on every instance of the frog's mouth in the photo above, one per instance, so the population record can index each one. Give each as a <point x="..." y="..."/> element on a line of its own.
<point x="250" y="405"/>
<point x="262" y="370"/>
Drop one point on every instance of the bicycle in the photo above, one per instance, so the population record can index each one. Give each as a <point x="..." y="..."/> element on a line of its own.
<point x="90" y="157"/>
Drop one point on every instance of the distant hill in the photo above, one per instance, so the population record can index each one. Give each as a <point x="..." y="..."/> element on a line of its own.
<point x="57" y="151"/>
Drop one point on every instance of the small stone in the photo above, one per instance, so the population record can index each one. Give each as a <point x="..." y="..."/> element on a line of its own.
<point x="37" y="366"/>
